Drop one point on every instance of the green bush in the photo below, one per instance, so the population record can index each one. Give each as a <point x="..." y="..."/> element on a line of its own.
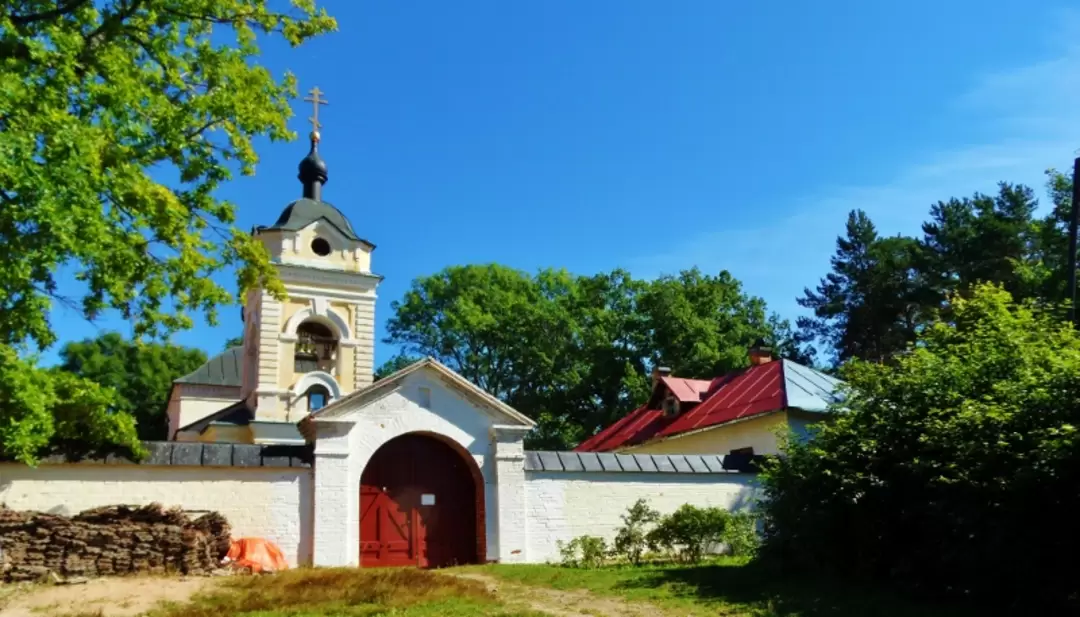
<point x="741" y="535"/>
<point x="954" y="469"/>
<point x="631" y="539"/>
<point x="583" y="552"/>
<point x="688" y="533"/>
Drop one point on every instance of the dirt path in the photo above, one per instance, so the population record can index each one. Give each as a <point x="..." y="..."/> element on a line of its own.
<point x="113" y="597"/>
<point x="560" y="603"/>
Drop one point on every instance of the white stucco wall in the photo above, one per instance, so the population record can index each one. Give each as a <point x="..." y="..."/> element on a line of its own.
<point x="759" y="433"/>
<point x="562" y="506"/>
<point x="272" y="503"/>
<point x="193" y="402"/>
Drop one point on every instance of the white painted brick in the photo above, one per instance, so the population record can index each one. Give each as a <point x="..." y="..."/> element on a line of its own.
<point x="271" y="503"/>
<point x="562" y="506"/>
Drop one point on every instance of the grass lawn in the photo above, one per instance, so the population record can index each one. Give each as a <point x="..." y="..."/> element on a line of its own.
<point x="727" y="587"/>
<point x="342" y="592"/>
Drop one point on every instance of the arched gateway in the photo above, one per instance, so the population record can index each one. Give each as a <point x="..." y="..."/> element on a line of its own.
<point x="435" y="460"/>
<point x="421" y="504"/>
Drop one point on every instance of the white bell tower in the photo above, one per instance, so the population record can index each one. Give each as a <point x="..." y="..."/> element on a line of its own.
<point x="318" y="345"/>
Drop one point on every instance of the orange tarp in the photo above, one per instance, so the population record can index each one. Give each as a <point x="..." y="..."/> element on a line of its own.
<point x="258" y="554"/>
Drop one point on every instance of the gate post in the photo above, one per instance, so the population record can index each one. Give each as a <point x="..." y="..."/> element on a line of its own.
<point x="336" y="496"/>
<point x="510" y="501"/>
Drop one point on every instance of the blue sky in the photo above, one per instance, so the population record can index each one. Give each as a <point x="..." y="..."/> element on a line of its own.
<point x="656" y="136"/>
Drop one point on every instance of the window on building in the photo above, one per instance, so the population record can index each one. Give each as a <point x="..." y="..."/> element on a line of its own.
<point x="424" y="397"/>
<point x="320" y="247"/>
<point x="743" y="451"/>
<point x="316" y="348"/>
<point x="317" y="398"/>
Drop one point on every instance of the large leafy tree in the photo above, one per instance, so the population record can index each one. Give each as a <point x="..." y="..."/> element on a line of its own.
<point x="118" y="120"/>
<point x="954" y="468"/>
<point x="140" y="373"/>
<point x="477" y="319"/>
<point x="700" y="325"/>
<point x="574" y="352"/>
<point x="53" y="409"/>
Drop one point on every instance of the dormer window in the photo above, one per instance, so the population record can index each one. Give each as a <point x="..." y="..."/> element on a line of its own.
<point x="316" y="348"/>
<point x="321" y="247"/>
<point x="670" y="406"/>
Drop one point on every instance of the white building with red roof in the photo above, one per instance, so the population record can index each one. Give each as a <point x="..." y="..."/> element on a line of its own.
<point x="747" y="411"/>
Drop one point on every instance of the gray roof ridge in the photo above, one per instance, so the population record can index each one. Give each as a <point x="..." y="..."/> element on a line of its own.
<point x="204" y="374"/>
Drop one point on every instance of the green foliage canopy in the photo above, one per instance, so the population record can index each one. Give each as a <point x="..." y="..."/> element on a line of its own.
<point x="882" y="290"/>
<point x="140" y="373"/>
<point x="955" y="468"/>
<point x="575" y="352"/>
<point x="118" y="120"/>
<point x="394" y="364"/>
<point x="55" y="409"/>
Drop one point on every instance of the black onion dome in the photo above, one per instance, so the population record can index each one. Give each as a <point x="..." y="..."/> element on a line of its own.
<point x="310" y="208"/>
<point x="313" y="168"/>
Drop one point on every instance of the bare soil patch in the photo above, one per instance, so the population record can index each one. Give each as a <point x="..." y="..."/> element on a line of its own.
<point x="562" y="603"/>
<point x="111" y="597"/>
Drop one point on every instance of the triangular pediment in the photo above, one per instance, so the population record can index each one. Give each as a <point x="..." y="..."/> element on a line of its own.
<point x="348" y="407"/>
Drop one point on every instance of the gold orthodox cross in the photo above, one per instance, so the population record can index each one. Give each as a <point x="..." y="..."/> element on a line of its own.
<point x="315" y="100"/>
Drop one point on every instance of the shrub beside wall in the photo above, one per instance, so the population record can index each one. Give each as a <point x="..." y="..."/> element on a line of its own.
<point x="114" y="540"/>
<point x="687" y="535"/>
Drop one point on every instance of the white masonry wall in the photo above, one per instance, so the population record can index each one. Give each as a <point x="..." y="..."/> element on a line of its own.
<point x="269" y="502"/>
<point x="564" y="505"/>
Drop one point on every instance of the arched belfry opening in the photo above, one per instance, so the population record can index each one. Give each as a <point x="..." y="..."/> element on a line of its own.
<point x="421" y="504"/>
<point x="316" y="348"/>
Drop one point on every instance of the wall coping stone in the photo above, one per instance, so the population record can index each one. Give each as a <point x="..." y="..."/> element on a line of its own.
<point x="604" y="462"/>
<point x="196" y="454"/>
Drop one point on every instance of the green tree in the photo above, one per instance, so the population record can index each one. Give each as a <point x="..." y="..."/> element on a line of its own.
<point x="50" y="408"/>
<point x="1044" y="272"/>
<point x="574" y="352"/>
<point x="981" y="239"/>
<point x="236" y="341"/>
<point x="500" y="328"/>
<point x="118" y="120"/>
<point x="140" y="373"/>
<point x="395" y="364"/>
<point x="881" y="291"/>
<point x="872" y="303"/>
<point x="954" y="468"/>
<point x="701" y="325"/>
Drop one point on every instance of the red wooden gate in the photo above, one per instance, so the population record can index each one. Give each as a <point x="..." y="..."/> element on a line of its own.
<point x="417" y="506"/>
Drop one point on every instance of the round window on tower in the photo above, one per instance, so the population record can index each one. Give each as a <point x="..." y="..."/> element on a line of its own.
<point x="320" y="246"/>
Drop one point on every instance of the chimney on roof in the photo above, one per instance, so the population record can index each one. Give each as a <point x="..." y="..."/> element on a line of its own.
<point x="658" y="372"/>
<point x="760" y="353"/>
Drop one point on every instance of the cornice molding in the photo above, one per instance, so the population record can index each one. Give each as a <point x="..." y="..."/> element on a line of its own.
<point x="292" y="273"/>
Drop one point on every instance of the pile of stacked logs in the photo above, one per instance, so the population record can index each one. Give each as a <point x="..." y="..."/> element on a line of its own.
<point x="109" y="541"/>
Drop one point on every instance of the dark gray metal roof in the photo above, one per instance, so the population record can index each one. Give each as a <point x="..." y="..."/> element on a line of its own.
<point x="303" y="212"/>
<point x="237" y="414"/>
<point x="224" y="369"/>
<point x="590" y="462"/>
<point x="194" y="454"/>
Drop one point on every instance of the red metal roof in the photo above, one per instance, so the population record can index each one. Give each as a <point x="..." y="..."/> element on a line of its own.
<point x="687" y="390"/>
<point x="740" y="394"/>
